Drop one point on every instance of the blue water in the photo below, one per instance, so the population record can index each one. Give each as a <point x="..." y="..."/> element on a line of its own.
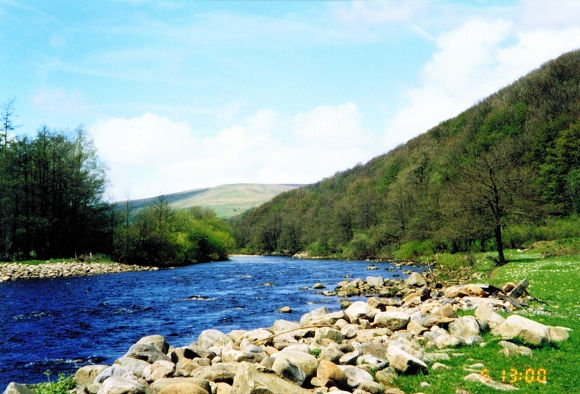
<point x="62" y="324"/>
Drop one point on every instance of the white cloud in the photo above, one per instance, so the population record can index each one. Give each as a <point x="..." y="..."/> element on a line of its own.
<point x="58" y="100"/>
<point x="151" y="154"/>
<point x="471" y="62"/>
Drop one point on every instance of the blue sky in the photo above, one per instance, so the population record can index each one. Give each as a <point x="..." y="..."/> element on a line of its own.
<point x="185" y="94"/>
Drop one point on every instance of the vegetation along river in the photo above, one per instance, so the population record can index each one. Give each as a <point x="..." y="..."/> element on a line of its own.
<point x="64" y="323"/>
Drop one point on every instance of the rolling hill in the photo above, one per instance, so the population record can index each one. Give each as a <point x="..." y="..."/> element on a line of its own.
<point x="511" y="160"/>
<point x="226" y="200"/>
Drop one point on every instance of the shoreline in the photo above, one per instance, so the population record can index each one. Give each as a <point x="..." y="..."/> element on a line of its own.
<point x="10" y="272"/>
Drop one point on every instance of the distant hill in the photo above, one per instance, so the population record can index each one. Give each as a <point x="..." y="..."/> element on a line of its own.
<point x="225" y="200"/>
<point x="510" y="160"/>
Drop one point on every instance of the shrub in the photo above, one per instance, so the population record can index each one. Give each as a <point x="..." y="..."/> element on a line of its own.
<point x="414" y="249"/>
<point x="62" y="385"/>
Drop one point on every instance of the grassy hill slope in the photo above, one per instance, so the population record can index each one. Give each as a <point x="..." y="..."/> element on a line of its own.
<point x="225" y="200"/>
<point x="511" y="160"/>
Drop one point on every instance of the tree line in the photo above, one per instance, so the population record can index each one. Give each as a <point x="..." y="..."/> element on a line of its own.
<point x="52" y="206"/>
<point x="512" y="159"/>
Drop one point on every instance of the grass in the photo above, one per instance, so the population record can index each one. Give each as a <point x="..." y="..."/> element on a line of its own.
<point x="62" y="385"/>
<point x="94" y="259"/>
<point x="554" y="281"/>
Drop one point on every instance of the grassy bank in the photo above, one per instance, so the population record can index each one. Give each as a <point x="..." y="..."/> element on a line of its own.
<point x="553" y="281"/>
<point x="100" y="258"/>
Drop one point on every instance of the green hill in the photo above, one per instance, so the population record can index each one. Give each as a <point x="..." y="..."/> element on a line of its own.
<point x="474" y="181"/>
<point x="225" y="200"/>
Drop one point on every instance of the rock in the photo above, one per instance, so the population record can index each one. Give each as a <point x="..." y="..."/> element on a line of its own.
<point x="371" y="361"/>
<point x="285" y="309"/>
<point x="115" y="371"/>
<point x="221" y="372"/>
<point x="146" y="352"/>
<point x="359" y="310"/>
<point x="511" y="349"/>
<point x="392" y="320"/>
<point x="369" y="386"/>
<point x="329" y="372"/>
<point x="387" y="376"/>
<point x="465" y="326"/>
<point x="375" y="281"/>
<point x="446" y="340"/>
<point x="440" y="367"/>
<point x="372" y="267"/>
<point x="476" y="377"/>
<point x="222" y="388"/>
<point x="159" y="369"/>
<point x="486" y="314"/>
<point x="355" y="376"/>
<point x="194" y="351"/>
<point x="135" y="365"/>
<point x="118" y="385"/>
<point x="349" y="358"/>
<point x="326" y="334"/>
<point x="259" y="334"/>
<point x="375" y="349"/>
<point x="415" y="279"/>
<point x="234" y="355"/>
<point x="251" y="379"/>
<point x="17" y="388"/>
<point x="331" y="354"/>
<point x="318" y="285"/>
<point x="320" y="317"/>
<point x="444" y="310"/>
<point x="157" y="341"/>
<point x="454" y="291"/>
<point x="474" y="290"/>
<point x="209" y="338"/>
<point x="179" y="386"/>
<point x="86" y="375"/>
<point x="284" y="325"/>
<point x="306" y="362"/>
<point x="403" y="361"/>
<point x="349" y="331"/>
<point x="526" y="330"/>
<point x="558" y="334"/>
<point x="289" y="370"/>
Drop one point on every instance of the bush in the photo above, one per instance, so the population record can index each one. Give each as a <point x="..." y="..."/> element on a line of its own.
<point x="414" y="249"/>
<point x="448" y="261"/>
<point x="62" y="385"/>
<point x="561" y="247"/>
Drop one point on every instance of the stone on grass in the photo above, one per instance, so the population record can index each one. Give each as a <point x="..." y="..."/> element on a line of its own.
<point x="465" y="326"/>
<point x="476" y="377"/>
<point x="526" y="330"/>
<point x="440" y="367"/>
<point x="404" y="362"/>
<point x="369" y="386"/>
<point x="486" y="314"/>
<point x="387" y="376"/>
<point x="558" y="334"/>
<point x="511" y="349"/>
<point x="355" y="375"/>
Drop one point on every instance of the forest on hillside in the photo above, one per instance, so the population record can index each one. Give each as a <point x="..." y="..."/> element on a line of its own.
<point x="477" y="181"/>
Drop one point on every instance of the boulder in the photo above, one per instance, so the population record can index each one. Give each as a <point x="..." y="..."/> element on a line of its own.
<point x="118" y="385"/>
<point x="558" y="334"/>
<point x="392" y="320"/>
<point x="135" y="365"/>
<point x="17" y="388"/>
<point x="289" y="370"/>
<point x="404" y="362"/>
<point x="375" y="281"/>
<point x="321" y="317"/>
<point x="355" y="376"/>
<point x="329" y="372"/>
<point x="368" y="360"/>
<point x="511" y="349"/>
<point x="179" y="386"/>
<point x="285" y="309"/>
<point x="304" y="361"/>
<point x="415" y="279"/>
<point x="465" y="326"/>
<point x="318" y="285"/>
<point x="387" y="376"/>
<point x="115" y="371"/>
<point x="359" y="310"/>
<point x="86" y="375"/>
<point x="485" y="314"/>
<point x="252" y="379"/>
<point x="282" y="325"/>
<point x="146" y="352"/>
<point x="444" y="310"/>
<point x="369" y="386"/>
<point x="220" y="372"/>
<point x="157" y="341"/>
<point x="209" y="338"/>
<point x="476" y="377"/>
<point x="527" y="330"/>
<point x="326" y="334"/>
<point x="195" y="351"/>
<point x="159" y="369"/>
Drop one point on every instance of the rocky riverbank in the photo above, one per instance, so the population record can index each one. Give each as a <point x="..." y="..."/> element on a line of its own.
<point x="360" y="349"/>
<point x="19" y="271"/>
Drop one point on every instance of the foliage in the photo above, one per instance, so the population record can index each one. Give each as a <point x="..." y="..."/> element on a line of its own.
<point x="161" y="236"/>
<point x="62" y="385"/>
<point x="414" y="249"/>
<point x="51" y="191"/>
<point x="474" y="182"/>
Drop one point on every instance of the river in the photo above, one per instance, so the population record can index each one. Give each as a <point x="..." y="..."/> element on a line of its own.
<point x="61" y="324"/>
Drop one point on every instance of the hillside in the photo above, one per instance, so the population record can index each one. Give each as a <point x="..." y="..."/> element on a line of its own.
<point x="511" y="160"/>
<point x="225" y="200"/>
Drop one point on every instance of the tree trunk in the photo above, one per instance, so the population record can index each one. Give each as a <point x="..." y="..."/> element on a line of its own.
<point x="499" y="242"/>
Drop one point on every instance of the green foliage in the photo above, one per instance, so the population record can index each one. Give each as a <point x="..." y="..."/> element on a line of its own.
<point x="450" y="262"/>
<point x="161" y="236"/>
<point x="315" y="352"/>
<point x="62" y="385"/>
<point x="560" y="247"/>
<point x="487" y="177"/>
<point x="414" y="249"/>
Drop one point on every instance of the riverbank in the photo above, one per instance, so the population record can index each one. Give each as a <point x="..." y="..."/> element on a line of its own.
<point x="21" y="271"/>
<point x="431" y="339"/>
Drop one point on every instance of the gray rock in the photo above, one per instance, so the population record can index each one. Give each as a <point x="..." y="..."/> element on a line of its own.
<point x="326" y="334"/>
<point x="115" y="371"/>
<point x="17" y="388"/>
<point x="321" y="317"/>
<point x="355" y="376"/>
<point x="306" y="362"/>
<point x="375" y="281"/>
<point x="415" y="279"/>
<point x="289" y="370"/>
<point x="252" y="379"/>
<point x="118" y="385"/>
<point x="372" y="387"/>
<point x="526" y="330"/>
<point x="486" y="314"/>
<point x="359" y="310"/>
<point x="331" y="354"/>
<point x="136" y="366"/>
<point x="465" y="326"/>
<point x="221" y="372"/>
<point x="476" y="377"/>
<point x="159" y="369"/>
<point x="146" y="352"/>
<point x="318" y="285"/>
<point x="179" y="386"/>
<point x="387" y="376"/>
<point x="157" y="341"/>
<point x="194" y="351"/>
<point x="392" y="320"/>
<point x="86" y="375"/>
<point x="209" y="338"/>
<point x="511" y="349"/>
<point x="372" y="361"/>
<point x="403" y="361"/>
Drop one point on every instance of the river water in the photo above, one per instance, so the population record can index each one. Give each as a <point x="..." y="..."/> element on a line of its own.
<point x="61" y="324"/>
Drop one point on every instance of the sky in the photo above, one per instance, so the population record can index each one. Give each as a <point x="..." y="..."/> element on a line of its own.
<point x="178" y="95"/>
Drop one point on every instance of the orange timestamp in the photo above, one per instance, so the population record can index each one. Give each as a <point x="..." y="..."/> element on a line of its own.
<point x="529" y="375"/>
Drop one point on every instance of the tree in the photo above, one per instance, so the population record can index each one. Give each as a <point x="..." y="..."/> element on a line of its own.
<point x="492" y="188"/>
<point x="6" y="117"/>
